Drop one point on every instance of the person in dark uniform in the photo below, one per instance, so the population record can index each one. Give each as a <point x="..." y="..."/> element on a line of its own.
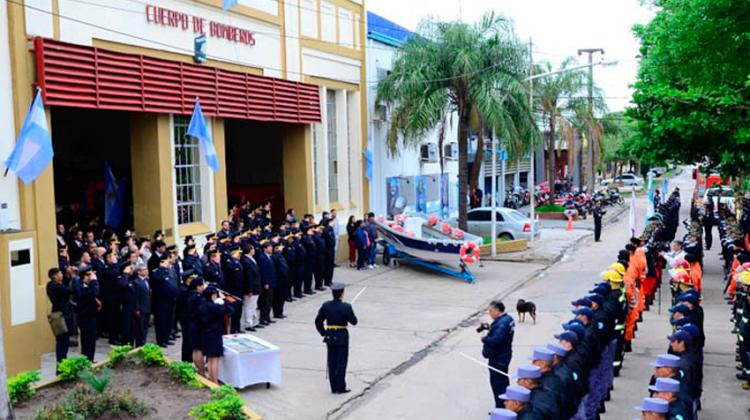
<point x="311" y="256"/>
<point x="290" y="254"/>
<point x="599" y="213"/>
<point x="319" y="263"/>
<point x="59" y="295"/>
<point x="333" y="318"/>
<point x="299" y="281"/>
<point x="329" y="261"/>
<point x="234" y="282"/>
<point x="164" y="287"/>
<point x="516" y="399"/>
<point x="88" y="306"/>
<point x="109" y="296"/>
<point x="498" y="347"/>
<point x="267" y="281"/>
<point x="159" y="248"/>
<point x="668" y="389"/>
<point x="126" y="301"/>
<point x="212" y="272"/>
<point x="282" y="281"/>
<point x="542" y="400"/>
<point x="187" y="315"/>
<point x="709" y="221"/>
<point x="142" y="306"/>
<point x="192" y="326"/>
<point x="190" y="260"/>
<point x="211" y="313"/>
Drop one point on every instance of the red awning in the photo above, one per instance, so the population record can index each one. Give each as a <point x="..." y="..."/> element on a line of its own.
<point x="89" y="77"/>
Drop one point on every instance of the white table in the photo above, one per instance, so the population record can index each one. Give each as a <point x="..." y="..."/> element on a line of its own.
<point x="249" y="360"/>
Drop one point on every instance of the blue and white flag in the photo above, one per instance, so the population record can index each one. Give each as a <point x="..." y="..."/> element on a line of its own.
<point x="198" y="129"/>
<point x="228" y="4"/>
<point x="33" y="150"/>
<point x="114" y="198"/>
<point x="650" y="207"/>
<point x="664" y="187"/>
<point x="368" y="159"/>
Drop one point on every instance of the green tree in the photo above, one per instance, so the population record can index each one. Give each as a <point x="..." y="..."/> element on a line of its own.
<point x="692" y="94"/>
<point x="454" y="66"/>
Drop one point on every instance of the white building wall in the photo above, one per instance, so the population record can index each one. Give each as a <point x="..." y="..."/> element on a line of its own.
<point x="292" y="29"/>
<point x="407" y="162"/>
<point x="9" y="183"/>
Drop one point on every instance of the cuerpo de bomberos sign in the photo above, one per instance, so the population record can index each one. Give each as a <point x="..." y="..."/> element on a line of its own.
<point x="173" y="19"/>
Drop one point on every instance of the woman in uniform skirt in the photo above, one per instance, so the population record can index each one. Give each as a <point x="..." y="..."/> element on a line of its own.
<point x="191" y="336"/>
<point x="211" y="314"/>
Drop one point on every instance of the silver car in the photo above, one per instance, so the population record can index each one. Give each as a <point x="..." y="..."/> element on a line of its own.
<point x="511" y="224"/>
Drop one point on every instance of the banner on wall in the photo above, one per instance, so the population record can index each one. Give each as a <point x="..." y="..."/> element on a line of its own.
<point x="395" y="202"/>
<point x="445" y="190"/>
<point x="421" y="193"/>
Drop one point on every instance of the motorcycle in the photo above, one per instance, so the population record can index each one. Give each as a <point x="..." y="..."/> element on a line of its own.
<point x="512" y="200"/>
<point x="614" y="197"/>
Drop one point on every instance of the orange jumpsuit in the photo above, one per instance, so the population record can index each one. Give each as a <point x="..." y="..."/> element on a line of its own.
<point x="642" y="266"/>
<point x="732" y="289"/>
<point x="631" y="293"/>
<point x="696" y="276"/>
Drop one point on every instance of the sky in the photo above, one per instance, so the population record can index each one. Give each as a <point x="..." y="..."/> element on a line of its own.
<point x="557" y="28"/>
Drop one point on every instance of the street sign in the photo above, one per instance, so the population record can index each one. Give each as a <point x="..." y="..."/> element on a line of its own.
<point x="200" y="49"/>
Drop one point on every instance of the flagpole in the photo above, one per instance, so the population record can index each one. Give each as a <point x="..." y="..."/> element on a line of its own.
<point x="483" y="364"/>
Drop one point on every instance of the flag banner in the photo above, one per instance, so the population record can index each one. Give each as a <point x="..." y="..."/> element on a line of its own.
<point x="114" y="198"/>
<point x="650" y="207"/>
<point x="228" y="4"/>
<point x="631" y="214"/>
<point x="33" y="150"/>
<point x="198" y="129"/>
<point x="368" y="159"/>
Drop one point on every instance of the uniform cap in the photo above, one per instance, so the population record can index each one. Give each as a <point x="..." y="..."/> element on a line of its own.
<point x="502" y="414"/>
<point x="172" y="248"/>
<point x="683" y="309"/>
<point x="688" y="297"/>
<point x="691" y="329"/>
<point x="599" y="299"/>
<point x="680" y="335"/>
<point x="187" y="273"/>
<point x="582" y="302"/>
<point x="569" y="336"/>
<point x="528" y="372"/>
<point x="665" y="385"/>
<point x="516" y="393"/>
<point x="542" y="353"/>
<point x="213" y="252"/>
<point x="86" y="269"/>
<point x="666" y="360"/>
<point x="557" y="349"/>
<point x="584" y="311"/>
<point x="654" y="405"/>
<point x="336" y="287"/>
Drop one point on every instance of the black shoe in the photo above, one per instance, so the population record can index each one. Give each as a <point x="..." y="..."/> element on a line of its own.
<point x="628" y="347"/>
<point x="170" y="342"/>
<point x="299" y="296"/>
<point x="271" y="321"/>
<point x="280" y="317"/>
<point x="309" y="292"/>
<point x="289" y="300"/>
<point x="345" y="391"/>
<point x="320" y="289"/>
<point x="251" y="329"/>
<point x="162" y="345"/>
<point x="259" y="326"/>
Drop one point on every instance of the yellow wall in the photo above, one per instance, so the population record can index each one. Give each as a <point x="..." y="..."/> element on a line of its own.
<point x="298" y="171"/>
<point x="151" y="158"/>
<point x="24" y="344"/>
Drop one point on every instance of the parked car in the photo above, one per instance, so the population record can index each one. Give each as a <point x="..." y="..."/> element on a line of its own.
<point x="724" y="195"/>
<point x="511" y="224"/>
<point x="625" y="180"/>
<point x="658" y="171"/>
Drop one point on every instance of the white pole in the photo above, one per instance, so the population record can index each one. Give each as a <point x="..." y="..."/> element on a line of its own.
<point x="480" y="363"/>
<point x="493" y="219"/>
<point x="532" y="191"/>
<point x="358" y="294"/>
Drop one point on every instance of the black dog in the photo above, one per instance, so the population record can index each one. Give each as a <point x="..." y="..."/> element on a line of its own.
<point x="523" y="307"/>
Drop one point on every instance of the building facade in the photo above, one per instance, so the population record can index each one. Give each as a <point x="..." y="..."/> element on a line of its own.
<point x="282" y="85"/>
<point x="410" y="181"/>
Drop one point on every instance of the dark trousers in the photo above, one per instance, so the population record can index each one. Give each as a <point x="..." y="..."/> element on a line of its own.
<point x="279" y="298"/>
<point x="126" y="325"/>
<point x="299" y="276"/>
<point x="708" y="233"/>
<point x="498" y="382"/>
<point x="234" y="324"/>
<point x="62" y="341"/>
<point x="163" y="320"/>
<point x="264" y="304"/>
<point x="112" y="312"/>
<point x="87" y="325"/>
<point x="597" y="229"/>
<point x="187" y="342"/>
<point x="318" y="271"/>
<point x="328" y="266"/>
<point x="308" y="275"/>
<point x="362" y="256"/>
<point x="338" y="356"/>
<point x="140" y="329"/>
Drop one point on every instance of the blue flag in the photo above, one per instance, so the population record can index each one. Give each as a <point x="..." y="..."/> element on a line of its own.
<point x="33" y="150"/>
<point x="368" y="160"/>
<point x="198" y="129"/>
<point x="114" y="198"/>
<point x="228" y="4"/>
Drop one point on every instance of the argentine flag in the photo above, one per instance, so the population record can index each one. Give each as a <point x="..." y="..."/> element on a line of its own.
<point x="228" y="4"/>
<point x="198" y="129"/>
<point x="33" y="150"/>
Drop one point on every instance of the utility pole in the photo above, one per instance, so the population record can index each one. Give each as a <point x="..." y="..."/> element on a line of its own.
<point x="532" y="190"/>
<point x="590" y="155"/>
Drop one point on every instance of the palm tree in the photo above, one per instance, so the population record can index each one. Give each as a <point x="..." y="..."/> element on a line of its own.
<point x="555" y="97"/>
<point x="456" y="67"/>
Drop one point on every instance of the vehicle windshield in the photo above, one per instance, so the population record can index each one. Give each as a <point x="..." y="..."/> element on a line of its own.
<point x="516" y="215"/>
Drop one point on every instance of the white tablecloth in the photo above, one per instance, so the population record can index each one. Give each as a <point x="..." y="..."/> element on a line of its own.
<point x="249" y="360"/>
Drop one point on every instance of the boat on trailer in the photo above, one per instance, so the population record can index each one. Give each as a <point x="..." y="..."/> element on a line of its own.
<point x="430" y="243"/>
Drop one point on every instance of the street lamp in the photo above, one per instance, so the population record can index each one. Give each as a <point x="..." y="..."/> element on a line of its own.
<point x="532" y="196"/>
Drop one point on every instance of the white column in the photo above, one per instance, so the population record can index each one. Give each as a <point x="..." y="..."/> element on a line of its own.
<point x="292" y="29"/>
<point x="321" y="153"/>
<point x="9" y="183"/>
<point x="356" y="158"/>
<point x="342" y="149"/>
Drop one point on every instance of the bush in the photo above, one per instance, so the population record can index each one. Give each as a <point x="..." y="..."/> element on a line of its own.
<point x="119" y="353"/>
<point x="83" y="403"/>
<point x="550" y="208"/>
<point x="97" y="383"/>
<point x="185" y="372"/>
<point x="152" y="355"/>
<point x="225" y="404"/>
<point x="19" y="386"/>
<point x="71" y="367"/>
